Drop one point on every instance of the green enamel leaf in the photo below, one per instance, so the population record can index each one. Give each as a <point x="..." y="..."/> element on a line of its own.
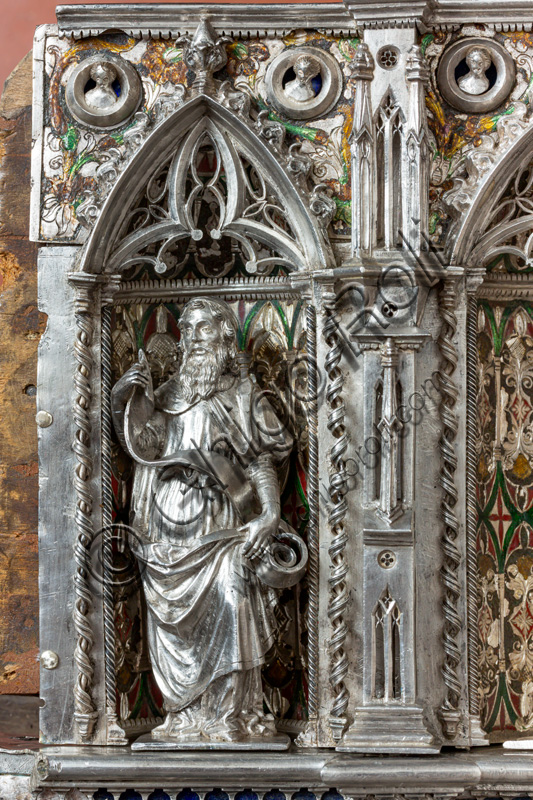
<point x="70" y="139"/>
<point x="428" y="38"/>
<point x="173" y="55"/>
<point x="238" y="50"/>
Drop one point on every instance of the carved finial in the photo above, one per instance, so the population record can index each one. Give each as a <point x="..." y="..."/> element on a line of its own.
<point x="416" y="68"/>
<point x="363" y="63"/>
<point x="205" y="54"/>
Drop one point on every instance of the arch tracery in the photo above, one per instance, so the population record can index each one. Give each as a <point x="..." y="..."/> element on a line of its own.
<point x="484" y="197"/>
<point x="258" y="203"/>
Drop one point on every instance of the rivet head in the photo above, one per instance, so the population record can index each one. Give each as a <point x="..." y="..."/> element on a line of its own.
<point x="43" y="419"/>
<point x="386" y="559"/>
<point x="49" y="659"/>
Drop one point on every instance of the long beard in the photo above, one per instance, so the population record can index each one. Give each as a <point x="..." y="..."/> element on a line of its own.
<point x="199" y="375"/>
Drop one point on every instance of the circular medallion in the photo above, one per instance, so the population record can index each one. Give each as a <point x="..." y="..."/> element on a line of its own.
<point x="388" y="57"/>
<point x="304" y="82"/>
<point x="386" y="559"/>
<point x="476" y="75"/>
<point x="103" y="91"/>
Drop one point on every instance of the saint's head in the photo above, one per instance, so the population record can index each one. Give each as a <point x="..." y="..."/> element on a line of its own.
<point x="207" y="347"/>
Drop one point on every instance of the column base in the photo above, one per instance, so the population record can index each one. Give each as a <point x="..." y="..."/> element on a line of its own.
<point x="478" y="737"/>
<point x="388" y="729"/>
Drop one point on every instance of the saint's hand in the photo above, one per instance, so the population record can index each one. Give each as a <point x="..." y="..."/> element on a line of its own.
<point x="260" y="532"/>
<point x="137" y="376"/>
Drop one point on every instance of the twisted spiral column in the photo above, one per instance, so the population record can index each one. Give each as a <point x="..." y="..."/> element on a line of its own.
<point x="449" y="712"/>
<point x="84" y="710"/>
<point x="338" y="599"/>
<point x="473" y="281"/>
<point x="115" y="733"/>
<point x="312" y="528"/>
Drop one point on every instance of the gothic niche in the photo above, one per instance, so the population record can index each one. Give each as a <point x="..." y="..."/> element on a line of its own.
<point x="272" y="342"/>
<point x="206" y="236"/>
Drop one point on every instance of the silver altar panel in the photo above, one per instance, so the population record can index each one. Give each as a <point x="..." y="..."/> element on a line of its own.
<point x="348" y="230"/>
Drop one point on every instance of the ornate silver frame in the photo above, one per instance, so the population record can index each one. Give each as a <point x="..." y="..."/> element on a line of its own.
<point x="400" y="549"/>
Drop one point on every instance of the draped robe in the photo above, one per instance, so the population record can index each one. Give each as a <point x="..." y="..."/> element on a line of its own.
<point x="208" y="614"/>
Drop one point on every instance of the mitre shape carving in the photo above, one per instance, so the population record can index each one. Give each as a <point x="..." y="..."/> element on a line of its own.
<point x="205" y="54"/>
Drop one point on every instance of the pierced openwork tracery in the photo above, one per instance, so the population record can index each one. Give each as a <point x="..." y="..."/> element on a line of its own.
<point x="208" y="209"/>
<point x="386" y="649"/>
<point x="508" y="240"/>
<point x="389" y="128"/>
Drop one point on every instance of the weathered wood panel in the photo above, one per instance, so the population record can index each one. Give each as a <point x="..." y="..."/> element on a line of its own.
<point x="20" y="328"/>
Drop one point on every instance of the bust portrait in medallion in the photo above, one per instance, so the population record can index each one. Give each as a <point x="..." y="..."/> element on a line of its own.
<point x="478" y="61"/>
<point x="301" y="89"/>
<point x="206" y="511"/>
<point x="102" y="96"/>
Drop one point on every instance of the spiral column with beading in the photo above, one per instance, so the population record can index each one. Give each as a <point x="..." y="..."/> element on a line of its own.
<point x="473" y="280"/>
<point x="312" y="535"/>
<point x="338" y="597"/>
<point x="85" y="714"/>
<point x="449" y="712"/>
<point x="115" y="733"/>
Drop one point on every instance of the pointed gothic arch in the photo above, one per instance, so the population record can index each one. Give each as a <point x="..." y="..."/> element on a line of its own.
<point x="260" y="202"/>
<point x="473" y="226"/>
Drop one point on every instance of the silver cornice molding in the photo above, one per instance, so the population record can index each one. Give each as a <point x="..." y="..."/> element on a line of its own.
<point x="505" y="287"/>
<point x="502" y="14"/>
<point x="389" y="14"/>
<point x="172" y="19"/>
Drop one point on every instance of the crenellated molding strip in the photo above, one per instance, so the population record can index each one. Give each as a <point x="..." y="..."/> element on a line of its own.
<point x="424" y="14"/>
<point x="168" y="20"/>
<point x="504" y="286"/>
<point x="253" y="288"/>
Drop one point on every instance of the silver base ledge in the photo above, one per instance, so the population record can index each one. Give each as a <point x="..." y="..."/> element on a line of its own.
<point x="399" y="730"/>
<point x="281" y="742"/>
<point x="481" y="772"/>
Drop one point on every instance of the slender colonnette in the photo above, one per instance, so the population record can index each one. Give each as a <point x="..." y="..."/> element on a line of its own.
<point x="471" y="512"/>
<point x="114" y="731"/>
<point x="312" y="528"/>
<point x="452" y="622"/>
<point x="338" y="599"/>
<point x="85" y="713"/>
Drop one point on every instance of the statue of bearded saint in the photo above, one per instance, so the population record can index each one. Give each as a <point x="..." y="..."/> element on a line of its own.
<point x="205" y="506"/>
